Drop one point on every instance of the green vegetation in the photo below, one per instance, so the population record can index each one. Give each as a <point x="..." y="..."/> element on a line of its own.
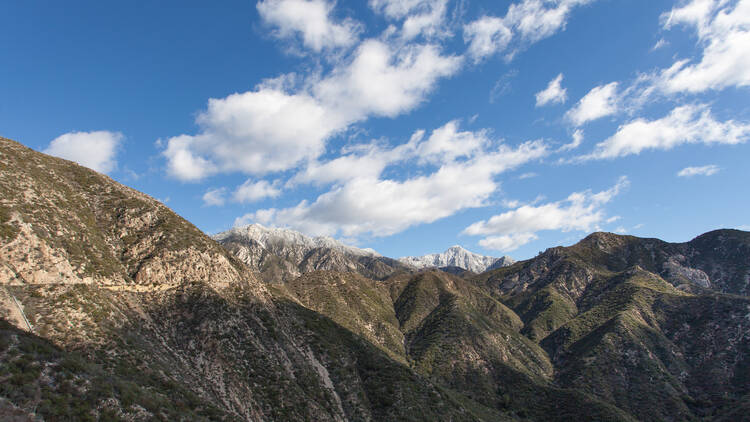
<point x="612" y="328"/>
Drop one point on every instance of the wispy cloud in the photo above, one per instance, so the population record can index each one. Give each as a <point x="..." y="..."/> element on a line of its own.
<point x="600" y="102"/>
<point x="553" y="94"/>
<point x="708" y="170"/>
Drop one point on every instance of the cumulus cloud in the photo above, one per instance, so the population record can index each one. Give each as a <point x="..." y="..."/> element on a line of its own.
<point x="254" y="132"/>
<point x="371" y="205"/>
<point x="383" y="80"/>
<point x="96" y="150"/>
<point x="507" y="243"/>
<point x="526" y="22"/>
<point x="247" y="192"/>
<point x="420" y="17"/>
<point x="512" y="229"/>
<point x="311" y="19"/>
<point x="683" y="125"/>
<point x="553" y="94"/>
<point x="255" y="191"/>
<point x="708" y="170"/>
<point x="270" y="129"/>
<point x="723" y="28"/>
<point x="600" y="102"/>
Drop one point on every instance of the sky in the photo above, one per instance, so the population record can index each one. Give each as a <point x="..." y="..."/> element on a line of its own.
<point x="407" y="126"/>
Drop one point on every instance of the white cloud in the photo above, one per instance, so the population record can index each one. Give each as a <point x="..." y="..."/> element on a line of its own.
<point x="255" y="132"/>
<point x="382" y="207"/>
<point x="215" y="197"/>
<point x="660" y="44"/>
<point x="579" y="211"/>
<point x="601" y="101"/>
<point x="269" y="129"/>
<point x="613" y="219"/>
<point x="96" y="150"/>
<point x="254" y="191"/>
<point x="745" y="227"/>
<point x="577" y="141"/>
<point x="708" y="170"/>
<point x="486" y="36"/>
<point x="685" y="124"/>
<point x="507" y="243"/>
<point x="384" y="81"/>
<point x="247" y="192"/>
<point x="311" y="19"/>
<point x="723" y="28"/>
<point x="526" y="22"/>
<point x="553" y="94"/>
<point x="420" y="17"/>
<point x="528" y="175"/>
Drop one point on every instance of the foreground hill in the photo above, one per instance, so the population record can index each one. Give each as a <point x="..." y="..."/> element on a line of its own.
<point x="112" y="307"/>
<point x="134" y="314"/>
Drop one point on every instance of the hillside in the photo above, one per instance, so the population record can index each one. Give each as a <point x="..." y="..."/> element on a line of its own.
<point x="136" y="314"/>
<point x="650" y="326"/>
<point x="113" y="307"/>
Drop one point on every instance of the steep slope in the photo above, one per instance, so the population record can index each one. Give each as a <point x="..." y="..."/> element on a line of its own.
<point x="633" y="321"/>
<point x="282" y="255"/>
<point x="359" y="304"/>
<point x="459" y="336"/>
<point x="456" y="256"/>
<point x="452" y="332"/>
<point x="135" y="314"/>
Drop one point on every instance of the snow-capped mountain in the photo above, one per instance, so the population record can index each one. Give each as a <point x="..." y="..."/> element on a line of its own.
<point x="456" y="256"/>
<point x="283" y="254"/>
<point x="269" y="237"/>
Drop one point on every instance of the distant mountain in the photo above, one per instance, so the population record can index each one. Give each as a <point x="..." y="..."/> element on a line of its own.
<point x="282" y="254"/>
<point x="456" y="256"/>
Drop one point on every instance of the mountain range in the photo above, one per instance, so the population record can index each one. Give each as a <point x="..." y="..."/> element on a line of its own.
<point x="456" y="256"/>
<point x="113" y="307"/>
<point x="282" y="254"/>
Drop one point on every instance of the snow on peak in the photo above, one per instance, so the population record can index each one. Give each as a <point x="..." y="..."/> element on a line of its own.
<point x="266" y="236"/>
<point x="457" y="256"/>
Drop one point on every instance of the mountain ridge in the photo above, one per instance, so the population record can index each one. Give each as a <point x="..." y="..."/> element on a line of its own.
<point x="457" y="256"/>
<point x="113" y="307"/>
<point x="280" y="255"/>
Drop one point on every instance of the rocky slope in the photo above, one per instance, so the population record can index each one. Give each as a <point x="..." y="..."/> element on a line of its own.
<point x="112" y="307"/>
<point x="134" y="314"/>
<point x="640" y="323"/>
<point x="281" y="254"/>
<point x="457" y="257"/>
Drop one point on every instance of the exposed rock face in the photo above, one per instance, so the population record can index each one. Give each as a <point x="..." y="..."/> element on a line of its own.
<point x="135" y="314"/>
<point x="456" y="256"/>
<point x="640" y="323"/>
<point x="112" y="307"/>
<point x="282" y="255"/>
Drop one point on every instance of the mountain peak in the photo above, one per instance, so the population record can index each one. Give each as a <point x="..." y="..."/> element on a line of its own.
<point x="457" y="256"/>
<point x="266" y="236"/>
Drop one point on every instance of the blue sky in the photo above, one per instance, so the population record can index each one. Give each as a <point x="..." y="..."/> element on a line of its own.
<point x="406" y="126"/>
